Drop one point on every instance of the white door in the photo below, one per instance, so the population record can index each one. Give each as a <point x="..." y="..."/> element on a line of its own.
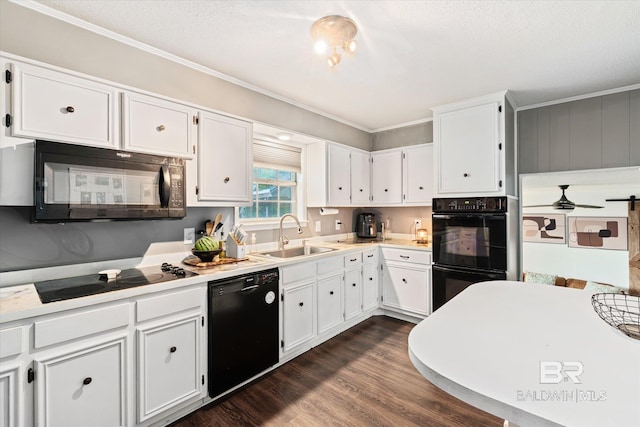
<point x="360" y="178"/>
<point x="168" y="365"/>
<point x="225" y="160"/>
<point x="156" y="126"/>
<point x="59" y="107"/>
<point x="330" y="311"/>
<point x="369" y="286"/>
<point x="338" y="182"/>
<point x="468" y="155"/>
<point x="406" y="288"/>
<point x="386" y="177"/>
<point x="352" y="293"/>
<point x="298" y="315"/>
<point x="83" y="388"/>
<point x="418" y="174"/>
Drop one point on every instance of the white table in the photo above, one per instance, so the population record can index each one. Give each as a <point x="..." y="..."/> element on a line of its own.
<point x="486" y="345"/>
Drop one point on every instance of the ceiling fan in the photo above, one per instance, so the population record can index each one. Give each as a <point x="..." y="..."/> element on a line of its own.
<point x="564" y="203"/>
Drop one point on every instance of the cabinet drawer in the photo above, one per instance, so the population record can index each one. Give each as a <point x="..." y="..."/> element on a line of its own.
<point x="78" y="325"/>
<point x="61" y="107"/>
<point x="11" y="342"/>
<point x="352" y="259"/>
<point x="329" y="265"/>
<point x="166" y="304"/>
<point x="369" y="256"/>
<point x="295" y="273"/>
<point x="406" y="255"/>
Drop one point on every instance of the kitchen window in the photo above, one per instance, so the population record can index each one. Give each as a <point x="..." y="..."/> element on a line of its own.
<point x="276" y="188"/>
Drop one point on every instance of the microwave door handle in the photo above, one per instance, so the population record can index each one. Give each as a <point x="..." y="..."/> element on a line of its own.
<point x="165" y="186"/>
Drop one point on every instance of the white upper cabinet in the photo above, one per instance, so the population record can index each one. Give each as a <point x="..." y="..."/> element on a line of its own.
<point x="156" y="126"/>
<point x="339" y="176"/>
<point x="386" y="177"/>
<point x="470" y="142"/>
<point x="360" y="178"/>
<point x="61" y="107"/>
<point x="225" y="160"/>
<point x="417" y="174"/>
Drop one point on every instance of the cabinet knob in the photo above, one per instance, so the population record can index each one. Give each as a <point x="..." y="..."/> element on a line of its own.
<point x="404" y="280"/>
<point x="361" y="190"/>
<point x="370" y="278"/>
<point x="421" y="188"/>
<point x="353" y="284"/>
<point x="301" y="304"/>
<point x="339" y="188"/>
<point x="173" y="349"/>
<point x="87" y="381"/>
<point x="70" y="109"/>
<point x="386" y="189"/>
<point x="226" y="179"/>
<point x="161" y="128"/>
<point x="466" y="175"/>
<point x="331" y="293"/>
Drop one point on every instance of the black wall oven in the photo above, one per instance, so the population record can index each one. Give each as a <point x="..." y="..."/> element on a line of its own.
<point x="79" y="183"/>
<point x="470" y="244"/>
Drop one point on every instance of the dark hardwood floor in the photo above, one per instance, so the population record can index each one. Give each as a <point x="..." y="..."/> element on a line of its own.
<point x="363" y="377"/>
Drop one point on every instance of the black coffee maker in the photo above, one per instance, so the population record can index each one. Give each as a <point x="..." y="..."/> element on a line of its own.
<point x="367" y="226"/>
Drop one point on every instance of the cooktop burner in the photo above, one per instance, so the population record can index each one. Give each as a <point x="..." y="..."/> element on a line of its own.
<point x="91" y="284"/>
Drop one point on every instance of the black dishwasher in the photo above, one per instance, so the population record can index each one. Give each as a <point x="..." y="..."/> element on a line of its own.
<point x="243" y="328"/>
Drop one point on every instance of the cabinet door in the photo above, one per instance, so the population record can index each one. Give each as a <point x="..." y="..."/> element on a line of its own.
<point x="224" y="159"/>
<point x="386" y="177"/>
<point x="10" y="395"/>
<point x="352" y="293"/>
<point x="360" y="178"/>
<point x="153" y="125"/>
<point x="406" y="288"/>
<point x="468" y="155"/>
<point x="338" y="182"/>
<point x="298" y="325"/>
<point x="60" y="107"/>
<point x="168" y="365"/>
<point x="330" y="311"/>
<point x="418" y="174"/>
<point x="83" y="388"/>
<point x="369" y="286"/>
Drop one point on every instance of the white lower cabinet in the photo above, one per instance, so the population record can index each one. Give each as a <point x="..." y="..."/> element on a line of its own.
<point x="83" y="387"/>
<point x="10" y="394"/>
<point x="406" y="281"/>
<point x="370" y="289"/>
<point x="299" y="315"/>
<point x="330" y="311"/>
<point x="352" y="293"/>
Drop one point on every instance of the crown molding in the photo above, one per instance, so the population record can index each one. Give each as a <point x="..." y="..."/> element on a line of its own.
<point x="402" y="125"/>
<point x="580" y="97"/>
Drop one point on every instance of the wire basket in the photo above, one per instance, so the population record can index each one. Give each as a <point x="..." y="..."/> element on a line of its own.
<point x="620" y="311"/>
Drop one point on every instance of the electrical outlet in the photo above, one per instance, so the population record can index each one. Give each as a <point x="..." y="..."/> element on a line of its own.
<point x="189" y="235"/>
<point x="338" y="224"/>
<point x="417" y="222"/>
<point x="318" y="227"/>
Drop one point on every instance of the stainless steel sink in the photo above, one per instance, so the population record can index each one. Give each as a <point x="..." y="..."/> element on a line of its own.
<point x="299" y="251"/>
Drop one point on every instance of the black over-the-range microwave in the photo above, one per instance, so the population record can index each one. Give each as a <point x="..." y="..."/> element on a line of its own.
<point x="79" y="183"/>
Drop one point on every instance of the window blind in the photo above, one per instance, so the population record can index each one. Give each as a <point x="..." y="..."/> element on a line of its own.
<point x="276" y="156"/>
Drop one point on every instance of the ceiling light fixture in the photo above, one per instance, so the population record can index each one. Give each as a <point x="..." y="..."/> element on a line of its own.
<point x="282" y="136"/>
<point x="331" y="32"/>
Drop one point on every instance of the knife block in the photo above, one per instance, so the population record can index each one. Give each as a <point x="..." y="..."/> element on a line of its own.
<point x="234" y="249"/>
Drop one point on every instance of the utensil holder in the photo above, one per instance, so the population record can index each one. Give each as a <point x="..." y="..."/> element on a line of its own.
<point x="234" y="249"/>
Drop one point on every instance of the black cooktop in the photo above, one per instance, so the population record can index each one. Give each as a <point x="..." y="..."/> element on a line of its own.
<point x="82" y="286"/>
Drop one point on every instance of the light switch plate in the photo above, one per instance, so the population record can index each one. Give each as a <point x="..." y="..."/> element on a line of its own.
<point x="189" y="235"/>
<point x="338" y="224"/>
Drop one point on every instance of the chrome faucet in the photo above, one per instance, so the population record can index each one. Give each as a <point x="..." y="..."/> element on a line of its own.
<point x="282" y="238"/>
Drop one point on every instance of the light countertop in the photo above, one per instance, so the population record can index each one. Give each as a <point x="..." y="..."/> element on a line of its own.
<point x="21" y="301"/>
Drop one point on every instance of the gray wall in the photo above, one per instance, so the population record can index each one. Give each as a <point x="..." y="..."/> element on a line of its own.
<point x="30" y="34"/>
<point x="400" y="137"/>
<point x="592" y="133"/>
<point x="25" y="245"/>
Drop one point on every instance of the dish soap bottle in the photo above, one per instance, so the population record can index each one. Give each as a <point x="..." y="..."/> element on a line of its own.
<point x="253" y="243"/>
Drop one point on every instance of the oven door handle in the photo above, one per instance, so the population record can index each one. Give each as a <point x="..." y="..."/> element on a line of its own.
<point x="496" y="273"/>
<point x="477" y="216"/>
<point x="165" y="186"/>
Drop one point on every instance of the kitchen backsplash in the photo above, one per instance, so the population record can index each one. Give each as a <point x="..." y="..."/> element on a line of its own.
<point x="24" y="245"/>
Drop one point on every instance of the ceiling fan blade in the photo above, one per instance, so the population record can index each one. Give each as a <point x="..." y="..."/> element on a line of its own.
<point x="537" y="206"/>
<point x="589" y="206"/>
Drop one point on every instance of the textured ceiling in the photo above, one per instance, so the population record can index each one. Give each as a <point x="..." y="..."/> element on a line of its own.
<point x="412" y="55"/>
